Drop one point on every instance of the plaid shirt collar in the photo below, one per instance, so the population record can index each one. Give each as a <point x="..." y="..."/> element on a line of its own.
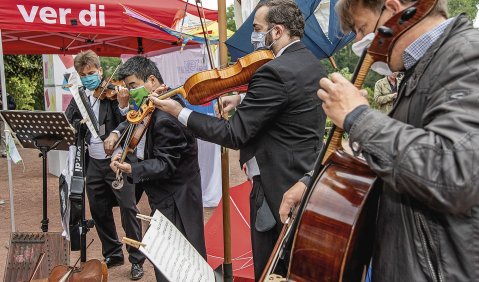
<point x="418" y="48"/>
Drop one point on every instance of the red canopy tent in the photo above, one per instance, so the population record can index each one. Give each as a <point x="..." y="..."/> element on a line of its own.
<point x="69" y="26"/>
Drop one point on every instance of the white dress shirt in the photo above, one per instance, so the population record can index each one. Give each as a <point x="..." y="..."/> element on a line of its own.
<point x="95" y="149"/>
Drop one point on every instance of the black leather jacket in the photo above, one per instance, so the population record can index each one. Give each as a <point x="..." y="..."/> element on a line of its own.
<point x="427" y="154"/>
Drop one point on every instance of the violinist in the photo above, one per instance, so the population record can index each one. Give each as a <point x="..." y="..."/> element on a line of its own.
<point x="167" y="167"/>
<point x="101" y="196"/>
<point x="278" y="126"/>
<point x="425" y="151"/>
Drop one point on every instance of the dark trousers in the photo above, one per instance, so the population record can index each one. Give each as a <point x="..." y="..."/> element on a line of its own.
<point x="102" y="198"/>
<point x="168" y="208"/>
<point x="262" y="242"/>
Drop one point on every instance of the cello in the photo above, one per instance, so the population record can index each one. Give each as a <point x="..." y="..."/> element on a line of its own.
<point x="330" y="238"/>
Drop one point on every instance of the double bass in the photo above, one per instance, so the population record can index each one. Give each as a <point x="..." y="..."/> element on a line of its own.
<point x="330" y="238"/>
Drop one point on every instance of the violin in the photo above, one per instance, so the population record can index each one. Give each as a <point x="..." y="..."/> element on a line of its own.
<point x="198" y="89"/>
<point x="108" y="89"/>
<point x="330" y="238"/>
<point x="135" y="133"/>
<point x="91" y="271"/>
<point x="208" y="85"/>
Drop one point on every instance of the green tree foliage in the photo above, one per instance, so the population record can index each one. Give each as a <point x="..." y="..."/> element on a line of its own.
<point x="230" y="18"/>
<point x="109" y="64"/>
<point x="24" y="79"/>
<point x="469" y="7"/>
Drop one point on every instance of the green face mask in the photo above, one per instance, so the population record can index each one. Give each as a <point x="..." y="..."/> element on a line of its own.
<point x="137" y="96"/>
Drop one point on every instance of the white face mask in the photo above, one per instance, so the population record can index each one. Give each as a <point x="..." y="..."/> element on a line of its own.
<point x="258" y="39"/>
<point x="358" y="49"/>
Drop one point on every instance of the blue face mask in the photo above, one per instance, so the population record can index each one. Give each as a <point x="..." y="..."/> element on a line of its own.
<point x="91" y="82"/>
<point x="258" y="39"/>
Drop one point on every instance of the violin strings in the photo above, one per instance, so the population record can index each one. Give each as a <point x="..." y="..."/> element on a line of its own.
<point x="108" y="82"/>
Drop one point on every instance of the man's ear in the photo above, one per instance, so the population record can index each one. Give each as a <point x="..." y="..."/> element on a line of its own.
<point x="279" y="31"/>
<point x="153" y="81"/>
<point x="394" y="6"/>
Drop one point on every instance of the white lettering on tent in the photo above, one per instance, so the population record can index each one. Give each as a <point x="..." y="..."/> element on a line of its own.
<point x="48" y="15"/>
<point x="101" y="15"/>
<point x="90" y="13"/>
<point x="63" y="15"/>
<point x="28" y="17"/>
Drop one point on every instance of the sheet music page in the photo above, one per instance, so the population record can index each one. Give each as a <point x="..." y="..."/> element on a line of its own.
<point x="74" y="81"/>
<point x="172" y="254"/>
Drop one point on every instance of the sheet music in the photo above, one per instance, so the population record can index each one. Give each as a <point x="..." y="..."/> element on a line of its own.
<point x="172" y="254"/>
<point x="88" y="117"/>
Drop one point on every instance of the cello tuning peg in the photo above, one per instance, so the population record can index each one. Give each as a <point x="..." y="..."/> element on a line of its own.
<point x="407" y="14"/>
<point x="385" y="31"/>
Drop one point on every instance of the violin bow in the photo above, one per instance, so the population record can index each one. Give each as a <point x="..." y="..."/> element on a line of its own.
<point x="67" y="275"/>
<point x="205" y="31"/>
<point x="37" y="266"/>
<point x="108" y="82"/>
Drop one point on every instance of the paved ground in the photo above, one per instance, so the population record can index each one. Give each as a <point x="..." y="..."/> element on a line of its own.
<point x="28" y="209"/>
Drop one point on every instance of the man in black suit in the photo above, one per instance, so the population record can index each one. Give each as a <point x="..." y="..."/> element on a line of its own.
<point x="167" y="166"/>
<point x="99" y="177"/>
<point x="278" y="126"/>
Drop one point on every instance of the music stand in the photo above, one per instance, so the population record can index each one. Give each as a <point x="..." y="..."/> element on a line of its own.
<point x="44" y="131"/>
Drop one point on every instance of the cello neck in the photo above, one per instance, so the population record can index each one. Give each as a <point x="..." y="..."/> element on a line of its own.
<point x="173" y="92"/>
<point x="336" y="143"/>
<point x="358" y="79"/>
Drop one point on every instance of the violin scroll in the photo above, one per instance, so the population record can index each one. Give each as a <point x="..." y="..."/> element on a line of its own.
<point x="109" y="90"/>
<point x="135" y="117"/>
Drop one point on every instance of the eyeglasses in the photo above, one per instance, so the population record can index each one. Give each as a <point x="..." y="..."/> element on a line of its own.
<point x="380" y="15"/>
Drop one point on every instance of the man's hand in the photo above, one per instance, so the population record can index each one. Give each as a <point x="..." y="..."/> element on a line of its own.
<point x="290" y="199"/>
<point x="123" y="97"/>
<point x="109" y="143"/>
<point x="340" y="97"/>
<point x="168" y="105"/>
<point x="229" y="103"/>
<point x="116" y="165"/>
<point x="113" y="162"/>
<point x="161" y="89"/>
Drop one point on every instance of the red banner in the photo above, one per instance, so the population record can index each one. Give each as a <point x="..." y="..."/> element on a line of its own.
<point x="69" y="26"/>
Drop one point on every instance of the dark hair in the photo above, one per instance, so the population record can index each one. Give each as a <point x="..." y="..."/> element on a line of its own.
<point x="141" y="67"/>
<point x="285" y="12"/>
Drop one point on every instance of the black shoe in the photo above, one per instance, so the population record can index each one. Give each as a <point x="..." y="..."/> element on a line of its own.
<point x="114" y="261"/>
<point x="136" y="272"/>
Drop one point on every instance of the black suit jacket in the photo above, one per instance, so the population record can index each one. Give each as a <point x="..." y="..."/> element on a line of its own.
<point x="280" y="122"/>
<point x="170" y="169"/>
<point x="109" y="115"/>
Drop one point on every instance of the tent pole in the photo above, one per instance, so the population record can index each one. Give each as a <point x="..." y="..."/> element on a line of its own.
<point x="225" y="181"/>
<point x="5" y="107"/>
